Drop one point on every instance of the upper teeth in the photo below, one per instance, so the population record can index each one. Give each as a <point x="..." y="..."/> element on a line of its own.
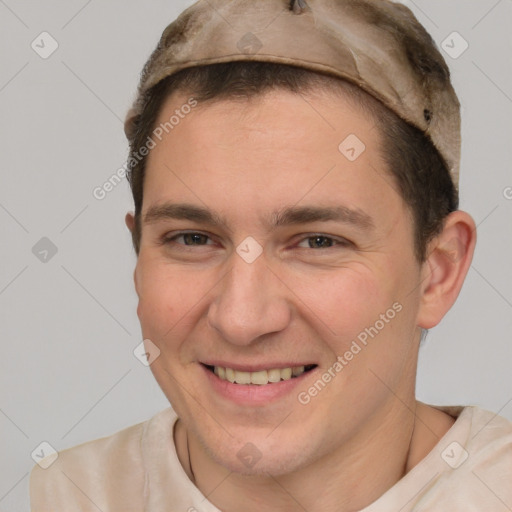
<point x="261" y="377"/>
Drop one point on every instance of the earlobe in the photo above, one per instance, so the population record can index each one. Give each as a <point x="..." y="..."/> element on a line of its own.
<point x="446" y="267"/>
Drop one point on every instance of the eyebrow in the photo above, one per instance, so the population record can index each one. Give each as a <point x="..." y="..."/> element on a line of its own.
<point x="182" y="211"/>
<point x="292" y="215"/>
<point x="307" y="214"/>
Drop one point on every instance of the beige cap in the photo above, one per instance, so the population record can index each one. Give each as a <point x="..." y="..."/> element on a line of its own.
<point x="376" y="44"/>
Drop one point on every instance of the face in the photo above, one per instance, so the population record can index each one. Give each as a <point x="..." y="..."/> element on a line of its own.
<point x="267" y="247"/>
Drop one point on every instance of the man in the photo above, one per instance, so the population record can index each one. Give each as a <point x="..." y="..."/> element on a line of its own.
<point x="294" y="168"/>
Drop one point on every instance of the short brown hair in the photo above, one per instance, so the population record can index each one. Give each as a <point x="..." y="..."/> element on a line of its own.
<point x="419" y="171"/>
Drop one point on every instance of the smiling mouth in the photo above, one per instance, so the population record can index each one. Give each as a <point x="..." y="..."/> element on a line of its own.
<point x="259" y="378"/>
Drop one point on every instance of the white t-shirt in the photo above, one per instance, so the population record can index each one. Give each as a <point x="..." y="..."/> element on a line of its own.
<point x="137" y="469"/>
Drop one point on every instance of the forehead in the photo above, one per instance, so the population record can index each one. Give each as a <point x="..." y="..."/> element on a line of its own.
<point x="273" y="149"/>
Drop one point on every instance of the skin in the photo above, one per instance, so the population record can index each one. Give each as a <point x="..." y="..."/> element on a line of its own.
<point x="244" y="160"/>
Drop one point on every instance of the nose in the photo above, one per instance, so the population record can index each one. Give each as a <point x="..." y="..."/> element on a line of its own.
<point x="250" y="302"/>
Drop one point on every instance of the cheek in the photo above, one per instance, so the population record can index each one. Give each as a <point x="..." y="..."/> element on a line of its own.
<point x="375" y="328"/>
<point x="359" y="311"/>
<point x="161" y="298"/>
<point x="170" y="299"/>
<point x="345" y="301"/>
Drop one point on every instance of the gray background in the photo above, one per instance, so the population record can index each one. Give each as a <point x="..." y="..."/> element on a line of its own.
<point x="69" y="326"/>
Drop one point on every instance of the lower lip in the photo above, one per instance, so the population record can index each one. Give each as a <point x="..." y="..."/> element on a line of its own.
<point x="252" y="394"/>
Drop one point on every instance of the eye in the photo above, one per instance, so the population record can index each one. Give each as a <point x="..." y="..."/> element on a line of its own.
<point x="188" y="239"/>
<point x="321" y="242"/>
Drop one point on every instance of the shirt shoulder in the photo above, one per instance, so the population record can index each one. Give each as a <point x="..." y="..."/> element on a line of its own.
<point x="469" y="469"/>
<point x="106" y="474"/>
<point x="489" y="452"/>
<point x="475" y="471"/>
<point x="489" y="426"/>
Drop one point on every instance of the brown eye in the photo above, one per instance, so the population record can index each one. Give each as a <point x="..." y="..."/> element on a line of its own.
<point x="194" y="239"/>
<point x="189" y="239"/>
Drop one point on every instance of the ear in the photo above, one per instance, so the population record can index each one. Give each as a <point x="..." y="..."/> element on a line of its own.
<point x="129" y="220"/>
<point x="444" y="271"/>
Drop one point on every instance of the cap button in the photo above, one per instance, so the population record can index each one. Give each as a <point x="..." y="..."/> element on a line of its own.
<point x="298" y="6"/>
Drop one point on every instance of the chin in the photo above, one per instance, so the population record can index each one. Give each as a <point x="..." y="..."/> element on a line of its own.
<point x="258" y="455"/>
